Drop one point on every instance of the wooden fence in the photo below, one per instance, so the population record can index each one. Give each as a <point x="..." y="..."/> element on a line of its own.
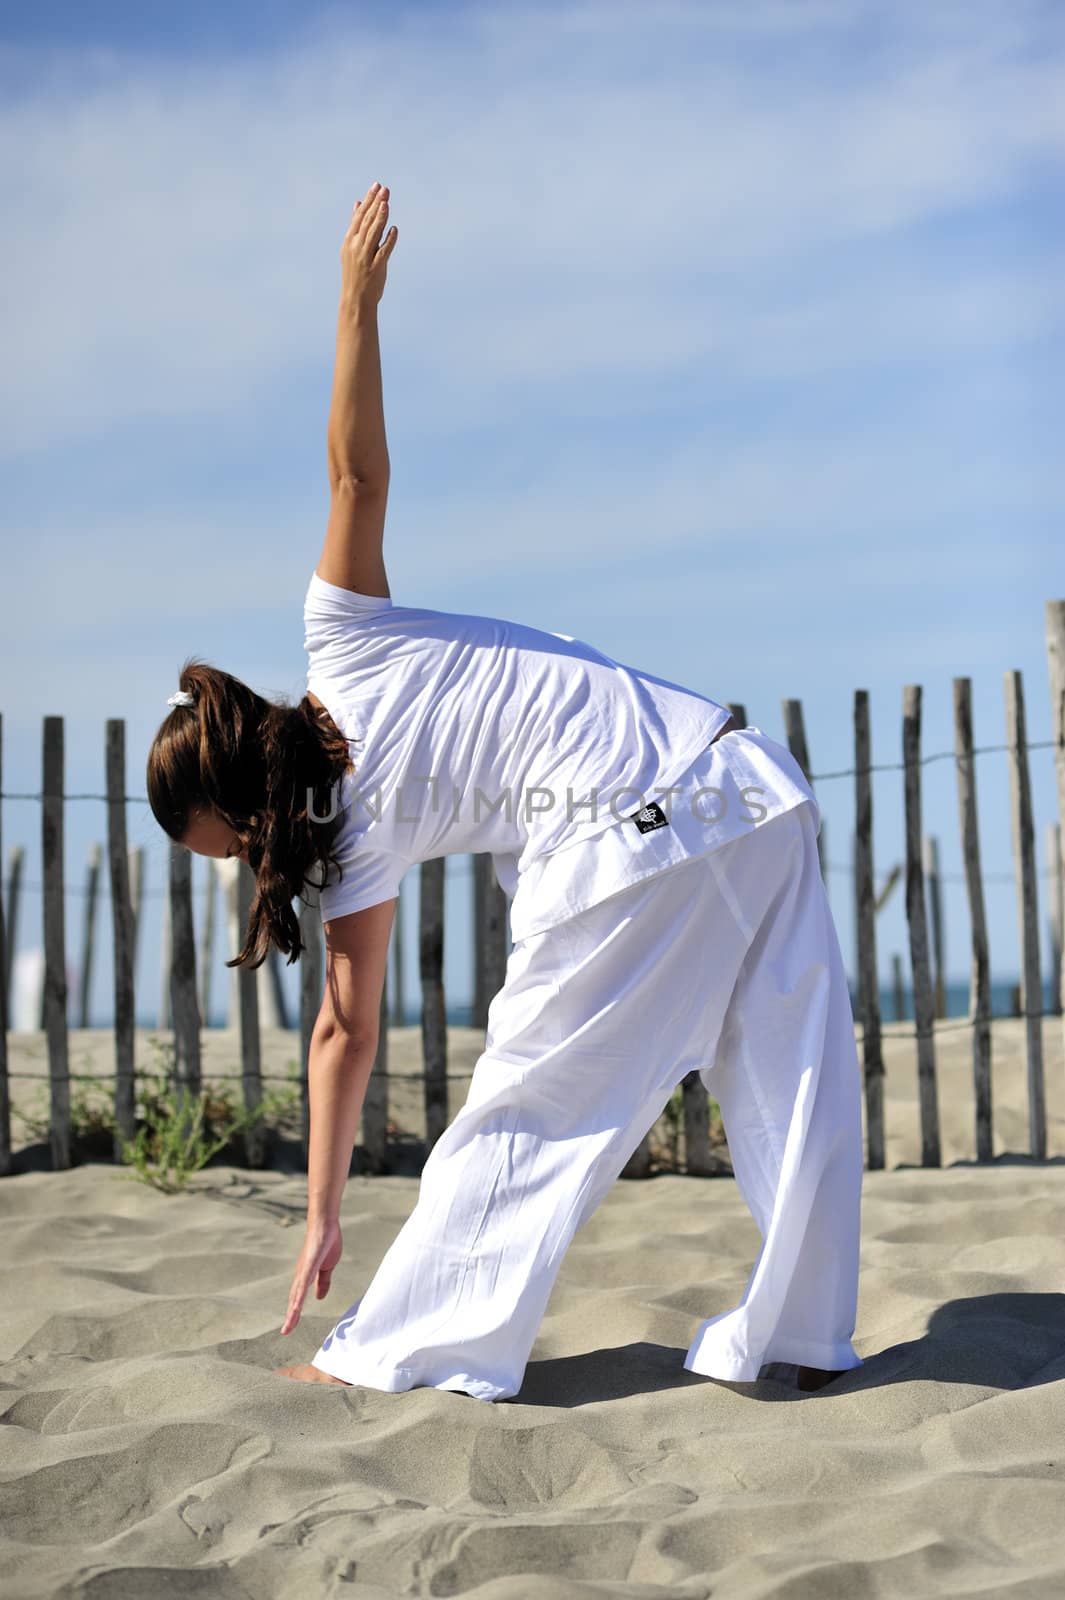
<point x="185" y="998"/>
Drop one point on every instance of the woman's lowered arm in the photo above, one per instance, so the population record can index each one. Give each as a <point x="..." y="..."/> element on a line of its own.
<point x="352" y="556"/>
<point x="343" y="1049"/>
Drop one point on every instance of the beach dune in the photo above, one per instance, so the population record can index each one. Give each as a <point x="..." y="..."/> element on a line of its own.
<point x="149" y="1449"/>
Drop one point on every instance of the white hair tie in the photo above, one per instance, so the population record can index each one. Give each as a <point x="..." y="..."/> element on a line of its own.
<point x="182" y="698"/>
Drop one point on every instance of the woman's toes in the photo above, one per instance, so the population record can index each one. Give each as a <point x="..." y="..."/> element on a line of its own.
<point x="306" y="1373"/>
<point x="811" y="1378"/>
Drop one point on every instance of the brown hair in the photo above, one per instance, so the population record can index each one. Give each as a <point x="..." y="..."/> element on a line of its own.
<point x="252" y="762"/>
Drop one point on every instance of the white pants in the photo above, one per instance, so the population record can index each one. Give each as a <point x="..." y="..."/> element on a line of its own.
<point x="729" y="964"/>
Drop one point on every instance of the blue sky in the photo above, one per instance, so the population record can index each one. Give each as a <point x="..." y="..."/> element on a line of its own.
<point x="726" y="336"/>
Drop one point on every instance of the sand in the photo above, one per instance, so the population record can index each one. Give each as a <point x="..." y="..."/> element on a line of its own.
<point x="149" y="1450"/>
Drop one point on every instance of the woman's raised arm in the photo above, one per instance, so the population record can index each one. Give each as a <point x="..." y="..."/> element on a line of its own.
<point x="352" y="556"/>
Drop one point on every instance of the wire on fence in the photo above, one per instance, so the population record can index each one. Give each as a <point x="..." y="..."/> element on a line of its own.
<point x="463" y="865"/>
<point x="815" y="777"/>
<point x="103" y="890"/>
<point x="225" y="1077"/>
<point x="941" y="1025"/>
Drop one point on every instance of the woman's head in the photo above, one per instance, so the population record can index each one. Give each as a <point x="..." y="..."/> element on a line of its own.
<point x="231" y="774"/>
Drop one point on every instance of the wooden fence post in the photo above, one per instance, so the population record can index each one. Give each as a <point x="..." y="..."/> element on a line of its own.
<point x="868" y="985"/>
<point x="479" y="1005"/>
<point x="14" y="884"/>
<point x="490" y="935"/>
<point x="375" y="1100"/>
<point x="55" y="970"/>
<point x="5" y="1084"/>
<point x="898" y="987"/>
<point x="210" y="896"/>
<point x="434" y="1014"/>
<point x="123" y="932"/>
<point x="310" y="1001"/>
<point x="935" y="906"/>
<point x="278" y="1012"/>
<point x="397" y="965"/>
<point x="227" y="873"/>
<point x="1027" y="910"/>
<point x="270" y="1004"/>
<point x="1055" y="641"/>
<point x="857" y="1001"/>
<point x="250" y="1047"/>
<point x="1056" y="917"/>
<point x="88" y="929"/>
<point x="698" y="1159"/>
<point x="795" y="733"/>
<point x="918" y="929"/>
<point x="268" y="1015"/>
<point x="980" y="980"/>
<point x="166" y="958"/>
<point x="183" y="1005"/>
<point x="137" y="869"/>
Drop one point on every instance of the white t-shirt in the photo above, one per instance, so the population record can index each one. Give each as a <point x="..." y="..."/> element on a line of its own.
<point x="474" y="734"/>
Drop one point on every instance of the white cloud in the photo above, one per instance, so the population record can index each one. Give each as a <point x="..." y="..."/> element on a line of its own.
<point x="175" y="226"/>
<point x="606" y="212"/>
<point x="705" y="493"/>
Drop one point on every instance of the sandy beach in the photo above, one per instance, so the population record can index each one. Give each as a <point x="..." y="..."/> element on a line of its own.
<point x="149" y="1449"/>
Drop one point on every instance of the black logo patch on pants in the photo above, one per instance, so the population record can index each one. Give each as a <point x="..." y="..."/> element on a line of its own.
<point x="649" y="817"/>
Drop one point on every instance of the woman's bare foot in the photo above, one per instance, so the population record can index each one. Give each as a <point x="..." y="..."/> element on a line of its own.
<point x="811" y="1378"/>
<point x="305" y="1373"/>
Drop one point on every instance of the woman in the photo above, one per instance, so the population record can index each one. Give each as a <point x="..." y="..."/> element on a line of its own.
<point x="667" y="915"/>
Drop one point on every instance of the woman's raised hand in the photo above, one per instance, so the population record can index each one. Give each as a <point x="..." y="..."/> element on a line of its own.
<point x="364" y="256"/>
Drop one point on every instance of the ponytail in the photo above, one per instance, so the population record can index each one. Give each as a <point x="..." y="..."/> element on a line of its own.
<point x="266" y="769"/>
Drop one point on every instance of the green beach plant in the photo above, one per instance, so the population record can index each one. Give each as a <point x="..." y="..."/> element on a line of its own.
<point x="179" y="1132"/>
